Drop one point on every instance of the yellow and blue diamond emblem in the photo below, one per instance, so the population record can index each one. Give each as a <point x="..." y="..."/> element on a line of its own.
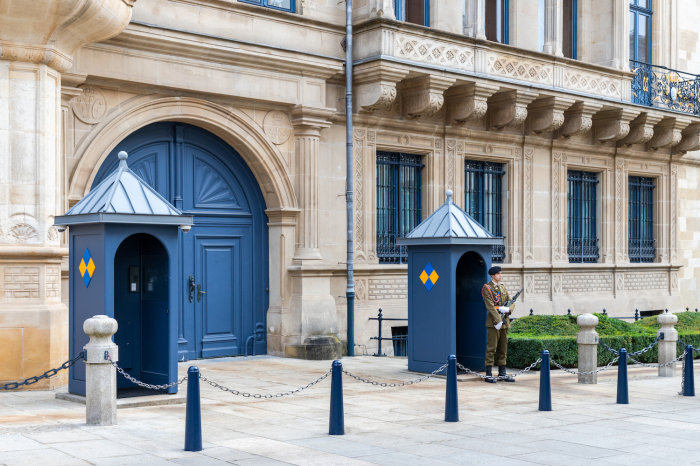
<point x="429" y="277"/>
<point x="86" y="267"/>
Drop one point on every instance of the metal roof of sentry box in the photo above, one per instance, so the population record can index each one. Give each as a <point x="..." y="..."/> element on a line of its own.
<point x="124" y="198"/>
<point x="449" y="225"/>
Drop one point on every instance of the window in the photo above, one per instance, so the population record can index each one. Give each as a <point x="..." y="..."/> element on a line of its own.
<point x="640" y="30"/>
<point x="568" y="46"/>
<point x="483" y="183"/>
<point x="497" y="21"/>
<point x="284" y="5"/>
<point x="641" y="244"/>
<point x="398" y="203"/>
<point x="399" y="337"/>
<point x="581" y="222"/>
<point x="413" y="11"/>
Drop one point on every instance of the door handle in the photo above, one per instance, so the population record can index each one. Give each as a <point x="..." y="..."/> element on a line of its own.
<point x="200" y="293"/>
<point x="191" y="288"/>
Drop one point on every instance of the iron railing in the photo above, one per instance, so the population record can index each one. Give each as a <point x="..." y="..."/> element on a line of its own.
<point x="658" y="86"/>
<point x="400" y="341"/>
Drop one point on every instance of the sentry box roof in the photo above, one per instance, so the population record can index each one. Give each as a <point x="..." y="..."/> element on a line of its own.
<point x="124" y="198"/>
<point x="449" y="225"/>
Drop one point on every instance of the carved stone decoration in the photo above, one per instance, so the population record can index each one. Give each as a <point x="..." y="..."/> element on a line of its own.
<point x="527" y="205"/>
<point x="674" y="213"/>
<point x="433" y="51"/>
<point x="423" y="96"/>
<point x="641" y="129"/>
<point x="376" y="87"/>
<point x="358" y="155"/>
<point x="556" y="284"/>
<point x="509" y="109"/>
<point x="382" y="9"/>
<point x="450" y="163"/>
<point x="467" y="103"/>
<point x="558" y="168"/>
<point x="578" y="119"/>
<point x="545" y="115"/>
<point x="620" y="178"/>
<point x="668" y="133"/>
<point x="613" y="125"/>
<point x="690" y="140"/>
<point x="620" y="282"/>
<point x="52" y="234"/>
<point x="90" y="106"/>
<point x="24" y="233"/>
<point x="277" y="127"/>
<point x="529" y="284"/>
<point x="674" y="281"/>
<point x="361" y="290"/>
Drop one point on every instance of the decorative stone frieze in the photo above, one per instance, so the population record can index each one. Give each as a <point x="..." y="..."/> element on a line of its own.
<point x="690" y="140"/>
<point x="641" y="129"/>
<point x="509" y="109"/>
<point x="578" y="119"/>
<point x="613" y="125"/>
<point x="467" y="103"/>
<point x="375" y="87"/>
<point x="423" y="96"/>
<point x="433" y="51"/>
<point x="545" y="115"/>
<point x="668" y="133"/>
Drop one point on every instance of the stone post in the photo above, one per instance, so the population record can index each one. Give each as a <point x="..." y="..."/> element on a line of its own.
<point x="553" y="27"/>
<point x="475" y="19"/>
<point x="100" y="375"/>
<point x="667" y="346"/>
<point x="587" y="339"/>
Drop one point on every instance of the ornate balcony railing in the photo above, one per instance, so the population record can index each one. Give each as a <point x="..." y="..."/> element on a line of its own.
<point x="658" y="86"/>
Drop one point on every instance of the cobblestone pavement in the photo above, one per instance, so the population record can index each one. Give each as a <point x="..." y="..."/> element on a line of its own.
<point x="499" y="424"/>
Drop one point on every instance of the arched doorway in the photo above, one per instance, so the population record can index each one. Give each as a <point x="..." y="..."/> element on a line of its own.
<point x="471" y="311"/>
<point x="223" y="260"/>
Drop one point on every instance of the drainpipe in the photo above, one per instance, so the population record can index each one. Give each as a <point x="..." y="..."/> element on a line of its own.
<point x="350" y="291"/>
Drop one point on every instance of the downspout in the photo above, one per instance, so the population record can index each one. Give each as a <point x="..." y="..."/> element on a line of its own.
<point x="350" y="291"/>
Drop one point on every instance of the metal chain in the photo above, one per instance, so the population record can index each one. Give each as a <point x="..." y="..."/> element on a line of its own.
<point x="399" y="384"/>
<point x="588" y="372"/>
<point x="637" y="353"/>
<point x="608" y="348"/>
<point x="257" y="395"/>
<point x="658" y="365"/>
<point x="499" y="377"/>
<point x="138" y="382"/>
<point x="45" y="375"/>
<point x="681" y="342"/>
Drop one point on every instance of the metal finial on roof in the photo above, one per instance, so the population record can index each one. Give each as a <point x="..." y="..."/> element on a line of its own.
<point x="122" y="155"/>
<point x="449" y="196"/>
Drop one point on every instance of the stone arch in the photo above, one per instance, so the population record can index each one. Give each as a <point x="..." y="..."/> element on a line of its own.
<point x="230" y="124"/>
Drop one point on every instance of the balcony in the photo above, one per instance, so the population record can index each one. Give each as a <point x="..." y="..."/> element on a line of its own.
<point x="661" y="87"/>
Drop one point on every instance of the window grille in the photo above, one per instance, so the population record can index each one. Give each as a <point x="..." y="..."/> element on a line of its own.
<point x="398" y="203"/>
<point x="640" y="220"/>
<point x="582" y="222"/>
<point x="483" y="182"/>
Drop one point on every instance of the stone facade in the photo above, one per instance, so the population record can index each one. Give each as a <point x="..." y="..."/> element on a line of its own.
<point x="271" y="84"/>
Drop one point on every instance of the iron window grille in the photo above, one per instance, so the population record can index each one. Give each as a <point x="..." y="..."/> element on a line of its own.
<point x="398" y="203"/>
<point x="582" y="222"/>
<point x="640" y="221"/>
<point x="283" y="5"/>
<point x="483" y="199"/>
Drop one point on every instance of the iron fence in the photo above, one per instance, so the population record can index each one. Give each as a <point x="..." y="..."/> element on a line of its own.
<point x="658" y="86"/>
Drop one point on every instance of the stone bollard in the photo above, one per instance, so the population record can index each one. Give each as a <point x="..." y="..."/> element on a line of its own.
<point x="100" y="375"/>
<point x="587" y="339"/>
<point x="667" y="346"/>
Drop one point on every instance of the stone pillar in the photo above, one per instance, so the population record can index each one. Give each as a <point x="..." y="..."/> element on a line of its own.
<point x="667" y="346"/>
<point x="100" y="375"/>
<point x="37" y="41"/>
<point x="553" y="27"/>
<point x="587" y="339"/>
<point x="475" y="19"/>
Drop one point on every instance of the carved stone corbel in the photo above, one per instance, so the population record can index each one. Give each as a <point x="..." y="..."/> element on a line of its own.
<point x="613" y="125"/>
<point x="690" y="140"/>
<point x="467" y="103"/>
<point x="382" y="9"/>
<point x="641" y="129"/>
<point x="545" y="115"/>
<point x="375" y="87"/>
<point x="668" y="133"/>
<point x="424" y="96"/>
<point x="579" y="118"/>
<point x="509" y="109"/>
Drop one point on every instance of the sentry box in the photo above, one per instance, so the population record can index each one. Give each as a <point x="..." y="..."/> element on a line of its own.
<point x="449" y="255"/>
<point x="123" y="257"/>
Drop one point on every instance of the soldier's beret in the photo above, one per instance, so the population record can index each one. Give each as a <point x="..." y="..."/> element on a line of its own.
<point x="494" y="270"/>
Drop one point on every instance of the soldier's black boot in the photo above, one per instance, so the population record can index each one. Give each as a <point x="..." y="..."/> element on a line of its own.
<point x="489" y="375"/>
<point x="503" y="376"/>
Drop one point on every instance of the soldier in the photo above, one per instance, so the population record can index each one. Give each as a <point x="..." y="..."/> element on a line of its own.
<point x="497" y="322"/>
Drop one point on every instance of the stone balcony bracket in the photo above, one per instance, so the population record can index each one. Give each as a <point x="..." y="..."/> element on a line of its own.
<point x="613" y="125"/>
<point x="641" y="129"/>
<point x="579" y="118"/>
<point x="668" y="133"/>
<point x="509" y="109"/>
<point x="690" y="140"/>
<point x="467" y="103"/>
<point x="311" y="118"/>
<point x="424" y="95"/>
<point x="547" y="114"/>
<point x="375" y="86"/>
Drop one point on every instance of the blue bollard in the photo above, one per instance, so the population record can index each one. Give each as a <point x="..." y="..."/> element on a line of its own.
<point x="623" y="397"/>
<point x="193" y="412"/>
<point x="545" y="383"/>
<point x="451" y="403"/>
<point x="336" y="425"/>
<point x="689" y="377"/>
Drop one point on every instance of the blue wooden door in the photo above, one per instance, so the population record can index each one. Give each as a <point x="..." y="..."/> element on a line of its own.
<point x="226" y="251"/>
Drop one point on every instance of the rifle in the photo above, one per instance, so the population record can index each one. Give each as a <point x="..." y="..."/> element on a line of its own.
<point x="515" y="298"/>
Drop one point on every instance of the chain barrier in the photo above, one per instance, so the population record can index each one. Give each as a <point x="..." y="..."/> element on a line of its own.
<point x="45" y="375"/>
<point x="499" y="377"/>
<point x="658" y="365"/>
<point x="138" y="382"/>
<point x="616" y="353"/>
<point x="399" y="384"/>
<point x="684" y="344"/>
<point x="601" y="369"/>
<point x="267" y="396"/>
<point x="636" y="353"/>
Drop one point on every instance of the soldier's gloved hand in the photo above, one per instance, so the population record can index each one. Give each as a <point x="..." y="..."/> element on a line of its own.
<point x="503" y="309"/>
<point x="499" y="325"/>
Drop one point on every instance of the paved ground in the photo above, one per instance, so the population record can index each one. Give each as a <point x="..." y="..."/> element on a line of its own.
<point x="500" y="424"/>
